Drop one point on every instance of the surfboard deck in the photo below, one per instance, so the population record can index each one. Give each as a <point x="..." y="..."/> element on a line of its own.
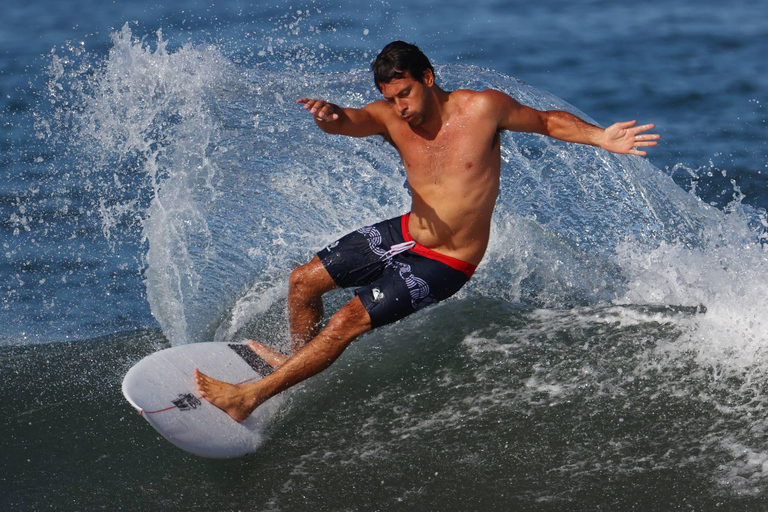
<point x="162" y="388"/>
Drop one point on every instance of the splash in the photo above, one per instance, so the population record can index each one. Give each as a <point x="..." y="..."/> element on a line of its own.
<point x="143" y="138"/>
<point x="203" y="162"/>
<point x="230" y="186"/>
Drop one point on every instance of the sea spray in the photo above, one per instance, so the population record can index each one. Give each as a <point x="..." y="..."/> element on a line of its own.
<point x="232" y="185"/>
<point x="202" y="162"/>
<point x="142" y="139"/>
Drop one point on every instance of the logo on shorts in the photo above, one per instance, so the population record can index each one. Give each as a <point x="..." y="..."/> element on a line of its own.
<point x="378" y="295"/>
<point x="332" y="246"/>
<point x="187" y="401"/>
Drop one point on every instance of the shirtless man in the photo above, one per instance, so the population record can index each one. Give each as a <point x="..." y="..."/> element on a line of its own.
<point x="450" y="145"/>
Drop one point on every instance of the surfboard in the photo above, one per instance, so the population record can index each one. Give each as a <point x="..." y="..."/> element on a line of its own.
<point x="162" y="388"/>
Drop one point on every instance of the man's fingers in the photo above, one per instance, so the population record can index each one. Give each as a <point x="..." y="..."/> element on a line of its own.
<point x="644" y="128"/>
<point x="324" y="111"/>
<point x="321" y="109"/>
<point x="624" y="125"/>
<point x="647" y="139"/>
<point x="310" y="103"/>
<point x="314" y="105"/>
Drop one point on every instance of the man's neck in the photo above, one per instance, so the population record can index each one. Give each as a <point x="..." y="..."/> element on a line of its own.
<point x="434" y="122"/>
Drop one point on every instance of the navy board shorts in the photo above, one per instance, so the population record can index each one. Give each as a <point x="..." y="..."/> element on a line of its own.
<point x="394" y="276"/>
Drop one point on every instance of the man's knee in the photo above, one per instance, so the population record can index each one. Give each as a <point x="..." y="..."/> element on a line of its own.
<point x="352" y="319"/>
<point x="310" y="280"/>
<point x="299" y="279"/>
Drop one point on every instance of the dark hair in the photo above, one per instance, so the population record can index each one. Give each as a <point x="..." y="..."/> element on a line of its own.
<point x="397" y="59"/>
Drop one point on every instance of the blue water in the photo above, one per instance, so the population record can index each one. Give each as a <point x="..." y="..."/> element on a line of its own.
<point x="158" y="183"/>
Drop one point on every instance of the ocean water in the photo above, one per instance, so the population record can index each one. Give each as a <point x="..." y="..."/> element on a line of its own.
<point x="158" y="183"/>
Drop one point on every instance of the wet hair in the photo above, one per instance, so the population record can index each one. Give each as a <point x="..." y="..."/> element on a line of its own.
<point x="397" y="59"/>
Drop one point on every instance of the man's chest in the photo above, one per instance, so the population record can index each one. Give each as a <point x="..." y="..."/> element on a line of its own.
<point x="453" y="150"/>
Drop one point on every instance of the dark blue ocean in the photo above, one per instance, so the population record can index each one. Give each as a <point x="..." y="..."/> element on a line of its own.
<point x="158" y="183"/>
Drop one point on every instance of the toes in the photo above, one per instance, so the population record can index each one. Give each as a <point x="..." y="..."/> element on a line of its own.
<point x="201" y="380"/>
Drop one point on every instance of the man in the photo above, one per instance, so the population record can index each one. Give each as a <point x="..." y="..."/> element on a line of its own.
<point x="450" y="146"/>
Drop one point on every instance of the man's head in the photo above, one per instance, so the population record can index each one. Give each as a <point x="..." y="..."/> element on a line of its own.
<point x="397" y="59"/>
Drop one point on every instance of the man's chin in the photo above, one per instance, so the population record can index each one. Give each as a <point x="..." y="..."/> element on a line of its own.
<point x="413" y="120"/>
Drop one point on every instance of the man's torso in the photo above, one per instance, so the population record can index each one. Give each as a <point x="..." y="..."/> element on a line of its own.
<point x="453" y="177"/>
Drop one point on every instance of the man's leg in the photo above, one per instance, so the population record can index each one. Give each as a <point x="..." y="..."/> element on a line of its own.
<point x="239" y="402"/>
<point x="306" y="287"/>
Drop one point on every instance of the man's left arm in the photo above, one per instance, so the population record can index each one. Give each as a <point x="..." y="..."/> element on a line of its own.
<point x="623" y="137"/>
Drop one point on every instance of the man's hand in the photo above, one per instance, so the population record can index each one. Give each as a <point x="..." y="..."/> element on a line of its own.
<point x="625" y="137"/>
<point x="321" y="109"/>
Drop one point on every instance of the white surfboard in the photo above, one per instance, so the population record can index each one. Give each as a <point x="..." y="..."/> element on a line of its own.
<point x="162" y="388"/>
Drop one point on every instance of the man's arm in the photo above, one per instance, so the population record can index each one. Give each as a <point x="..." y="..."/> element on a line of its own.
<point x="623" y="137"/>
<point x="354" y="122"/>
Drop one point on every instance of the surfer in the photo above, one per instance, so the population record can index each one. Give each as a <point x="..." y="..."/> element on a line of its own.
<point x="449" y="142"/>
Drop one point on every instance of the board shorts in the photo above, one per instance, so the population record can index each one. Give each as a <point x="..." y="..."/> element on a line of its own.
<point x="394" y="276"/>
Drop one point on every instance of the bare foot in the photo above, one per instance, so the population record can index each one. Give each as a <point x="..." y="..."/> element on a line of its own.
<point x="229" y="398"/>
<point x="268" y="354"/>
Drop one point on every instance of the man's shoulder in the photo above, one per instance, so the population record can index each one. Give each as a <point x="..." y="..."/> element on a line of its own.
<point x="380" y="109"/>
<point x="482" y="101"/>
<point x="376" y="105"/>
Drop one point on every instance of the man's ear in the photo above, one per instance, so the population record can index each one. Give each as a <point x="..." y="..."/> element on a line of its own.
<point x="429" y="78"/>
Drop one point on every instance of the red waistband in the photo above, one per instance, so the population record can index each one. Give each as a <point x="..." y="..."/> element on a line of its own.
<point x="454" y="263"/>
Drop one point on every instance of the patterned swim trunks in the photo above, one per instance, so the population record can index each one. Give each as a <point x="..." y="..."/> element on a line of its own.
<point x="394" y="275"/>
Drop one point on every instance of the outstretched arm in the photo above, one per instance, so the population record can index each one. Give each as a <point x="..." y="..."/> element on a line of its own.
<point x="354" y="122"/>
<point x="623" y="137"/>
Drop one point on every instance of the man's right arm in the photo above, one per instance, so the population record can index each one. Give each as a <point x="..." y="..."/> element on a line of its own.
<point x="353" y="122"/>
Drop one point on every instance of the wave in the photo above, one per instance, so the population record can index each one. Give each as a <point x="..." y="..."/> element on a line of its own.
<point x="204" y="166"/>
<point x="230" y="185"/>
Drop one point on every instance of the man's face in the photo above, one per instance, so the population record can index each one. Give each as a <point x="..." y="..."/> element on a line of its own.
<point x="409" y="97"/>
